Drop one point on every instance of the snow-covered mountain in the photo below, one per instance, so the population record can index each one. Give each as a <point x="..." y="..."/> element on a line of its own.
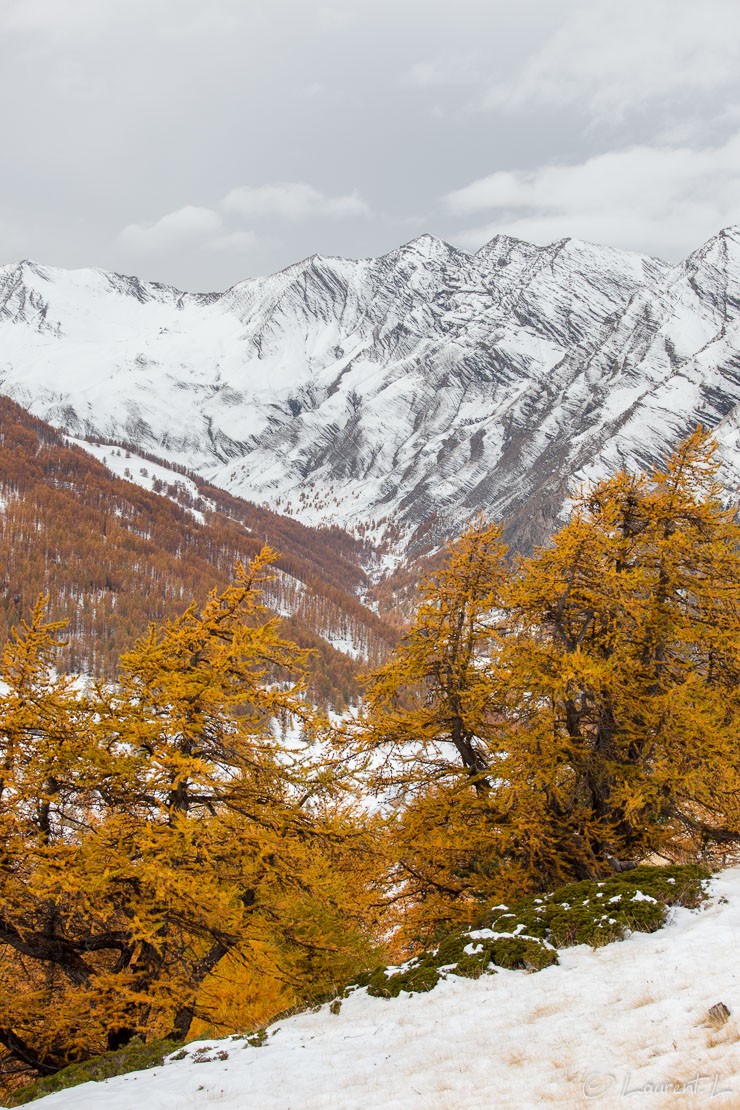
<point x="427" y="383"/>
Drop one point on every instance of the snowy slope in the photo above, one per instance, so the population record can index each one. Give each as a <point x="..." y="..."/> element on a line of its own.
<point x="425" y="382"/>
<point x="629" y="1019"/>
<point x="147" y="474"/>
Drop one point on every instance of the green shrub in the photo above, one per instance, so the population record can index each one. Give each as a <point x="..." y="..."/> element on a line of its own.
<point x="136" y="1056"/>
<point x="526" y="934"/>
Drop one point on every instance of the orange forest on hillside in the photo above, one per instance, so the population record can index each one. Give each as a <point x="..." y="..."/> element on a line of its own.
<point x="114" y="557"/>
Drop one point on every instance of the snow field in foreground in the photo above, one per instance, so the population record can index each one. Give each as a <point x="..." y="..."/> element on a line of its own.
<point x="619" y="1026"/>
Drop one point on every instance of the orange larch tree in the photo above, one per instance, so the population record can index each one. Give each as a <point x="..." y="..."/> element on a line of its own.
<point x="621" y="673"/>
<point x="431" y="733"/>
<point x="153" y="829"/>
<point x="575" y="716"/>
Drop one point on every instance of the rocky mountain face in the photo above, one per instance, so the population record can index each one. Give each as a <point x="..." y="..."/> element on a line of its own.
<point x="415" y="388"/>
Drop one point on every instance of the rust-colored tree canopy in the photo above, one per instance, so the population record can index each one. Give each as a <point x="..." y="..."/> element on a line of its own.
<point x="153" y="830"/>
<point x="573" y="714"/>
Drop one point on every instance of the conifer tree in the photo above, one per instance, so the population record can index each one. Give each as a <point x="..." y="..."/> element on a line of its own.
<point x="432" y="732"/>
<point x="596" y="696"/>
<point x="153" y="830"/>
<point x="432" y="706"/>
<point x="622" y="673"/>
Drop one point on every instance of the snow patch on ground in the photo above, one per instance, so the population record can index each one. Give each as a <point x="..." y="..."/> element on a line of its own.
<point x="133" y="468"/>
<point x="347" y="645"/>
<point x="611" y="1027"/>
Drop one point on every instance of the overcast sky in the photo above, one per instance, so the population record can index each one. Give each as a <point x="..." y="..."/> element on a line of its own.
<point x="199" y="142"/>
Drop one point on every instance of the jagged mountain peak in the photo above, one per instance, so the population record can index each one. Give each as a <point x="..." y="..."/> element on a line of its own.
<point x="502" y="248"/>
<point x="425" y="246"/>
<point x="719" y="255"/>
<point x="61" y="285"/>
<point x="28" y="266"/>
<point x="502" y="244"/>
<point x="726" y="235"/>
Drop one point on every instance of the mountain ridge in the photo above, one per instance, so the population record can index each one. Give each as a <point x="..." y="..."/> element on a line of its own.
<point x="415" y="388"/>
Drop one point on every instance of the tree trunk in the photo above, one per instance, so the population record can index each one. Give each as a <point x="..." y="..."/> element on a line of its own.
<point x="184" y="1016"/>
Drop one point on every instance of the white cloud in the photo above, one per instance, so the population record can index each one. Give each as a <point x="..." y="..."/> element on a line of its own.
<point x="236" y="242"/>
<point x="618" y="60"/>
<point x="653" y="63"/>
<point x="211" y="230"/>
<point x="662" y="200"/>
<point x="186" y="226"/>
<point x="292" y="200"/>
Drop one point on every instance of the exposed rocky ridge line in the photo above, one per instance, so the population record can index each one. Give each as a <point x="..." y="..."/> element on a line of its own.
<point x="427" y="383"/>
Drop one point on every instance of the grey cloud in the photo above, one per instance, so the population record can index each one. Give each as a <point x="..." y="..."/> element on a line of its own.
<point x="128" y="123"/>
<point x="651" y="199"/>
